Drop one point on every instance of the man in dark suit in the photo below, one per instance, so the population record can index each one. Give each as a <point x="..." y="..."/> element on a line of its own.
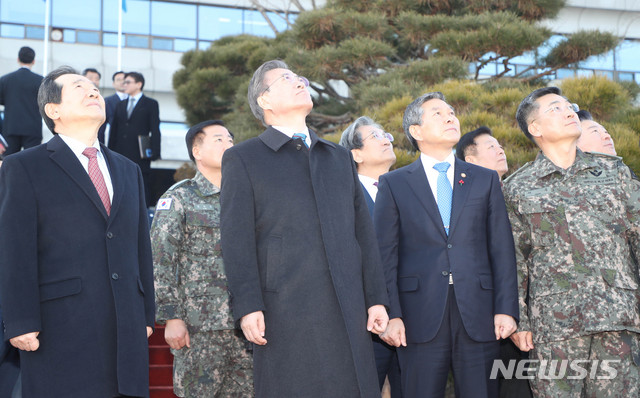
<point x="299" y="250"/>
<point x="76" y="274"/>
<point x="18" y="93"/>
<point x="111" y="102"/>
<point x="138" y="116"/>
<point x="373" y="155"/>
<point x="449" y="261"/>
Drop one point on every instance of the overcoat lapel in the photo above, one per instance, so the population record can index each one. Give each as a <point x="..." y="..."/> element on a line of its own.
<point x="419" y="183"/>
<point x="117" y="179"/>
<point x="460" y="191"/>
<point x="64" y="157"/>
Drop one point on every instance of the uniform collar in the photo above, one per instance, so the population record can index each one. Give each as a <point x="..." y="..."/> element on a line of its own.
<point x="206" y="187"/>
<point x="544" y="167"/>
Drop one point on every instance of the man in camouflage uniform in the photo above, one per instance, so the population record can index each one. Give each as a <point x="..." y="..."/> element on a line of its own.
<point x="575" y="219"/>
<point x="191" y="285"/>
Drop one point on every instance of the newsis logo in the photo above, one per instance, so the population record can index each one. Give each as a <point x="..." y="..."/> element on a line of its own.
<point x="555" y="369"/>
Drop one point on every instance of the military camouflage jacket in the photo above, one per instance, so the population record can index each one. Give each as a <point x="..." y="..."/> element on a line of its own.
<point x="576" y="237"/>
<point x="189" y="274"/>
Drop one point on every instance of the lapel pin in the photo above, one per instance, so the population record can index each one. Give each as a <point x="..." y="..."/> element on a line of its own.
<point x="461" y="182"/>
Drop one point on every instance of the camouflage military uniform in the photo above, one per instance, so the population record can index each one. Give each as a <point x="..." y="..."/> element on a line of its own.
<point x="191" y="285"/>
<point x="576" y="237"/>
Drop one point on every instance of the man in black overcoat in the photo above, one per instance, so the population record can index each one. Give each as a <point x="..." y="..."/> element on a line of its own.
<point x="76" y="274"/>
<point x="299" y="250"/>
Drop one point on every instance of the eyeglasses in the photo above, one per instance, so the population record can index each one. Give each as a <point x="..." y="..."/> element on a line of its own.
<point x="558" y="109"/>
<point x="379" y="135"/>
<point x="291" y="78"/>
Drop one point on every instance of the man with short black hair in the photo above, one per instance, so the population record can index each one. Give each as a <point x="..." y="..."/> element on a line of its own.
<point x="136" y="122"/>
<point x="576" y="224"/>
<point x="18" y="93"/>
<point x="76" y="273"/>
<point x="480" y="147"/>
<point x="93" y="75"/>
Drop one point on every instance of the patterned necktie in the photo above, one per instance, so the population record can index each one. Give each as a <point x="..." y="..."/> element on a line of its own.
<point x="130" y="107"/>
<point x="97" y="178"/>
<point x="302" y="137"/>
<point x="444" y="193"/>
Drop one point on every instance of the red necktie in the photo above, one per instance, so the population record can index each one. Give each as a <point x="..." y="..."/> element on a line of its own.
<point x="97" y="178"/>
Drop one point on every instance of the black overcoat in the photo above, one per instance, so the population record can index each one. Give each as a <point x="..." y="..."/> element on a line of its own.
<point x="298" y="243"/>
<point x="83" y="279"/>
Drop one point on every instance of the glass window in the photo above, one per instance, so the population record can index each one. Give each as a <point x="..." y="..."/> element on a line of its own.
<point x="255" y="24"/>
<point x="162" y="44"/>
<point x="546" y="47"/>
<point x="110" y="39"/>
<point x="565" y="73"/>
<point x="173" y="19"/>
<point x="69" y="36"/>
<point x="604" y="61"/>
<point x="605" y="73"/>
<point x="134" y="20"/>
<point x="79" y="14"/>
<point x="628" y="56"/>
<point x="183" y="45"/>
<point x="88" y="37"/>
<point x="528" y="58"/>
<point x="585" y="72"/>
<point x="204" y="45"/>
<point x="625" y="76"/>
<point x="215" y="22"/>
<point x="35" y="32"/>
<point x="23" y="11"/>
<point x="137" y="41"/>
<point x="15" y="31"/>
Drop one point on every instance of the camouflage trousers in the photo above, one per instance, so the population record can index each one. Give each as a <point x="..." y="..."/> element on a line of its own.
<point x="602" y="365"/>
<point x="218" y="364"/>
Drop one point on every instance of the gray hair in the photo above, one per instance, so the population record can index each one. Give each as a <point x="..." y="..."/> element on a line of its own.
<point x="351" y="138"/>
<point x="257" y="86"/>
<point x="413" y="114"/>
<point x="50" y="92"/>
<point x="529" y="105"/>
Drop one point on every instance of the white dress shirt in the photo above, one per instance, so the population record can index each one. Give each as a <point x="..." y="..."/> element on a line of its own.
<point x="78" y="147"/>
<point x="289" y="132"/>
<point x="368" y="184"/>
<point x="122" y="96"/>
<point x="432" y="174"/>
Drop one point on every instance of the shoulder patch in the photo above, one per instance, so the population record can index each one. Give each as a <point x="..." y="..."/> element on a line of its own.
<point x="164" y="204"/>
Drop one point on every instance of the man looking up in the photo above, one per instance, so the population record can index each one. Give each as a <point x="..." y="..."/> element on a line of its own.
<point x="575" y="218"/>
<point x="299" y="250"/>
<point x="448" y="258"/>
<point x="373" y="154"/>
<point x="76" y="274"/>
<point x="480" y="147"/>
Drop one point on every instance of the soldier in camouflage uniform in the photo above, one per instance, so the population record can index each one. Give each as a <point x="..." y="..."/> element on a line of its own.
<point x="210" y="355"/>
<point x="575" y="219"/>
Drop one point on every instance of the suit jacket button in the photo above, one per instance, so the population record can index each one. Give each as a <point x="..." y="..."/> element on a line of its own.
<point x="449" y="246"/>
<point x="445" y="273"/>
<point x="114" y="276"/>
<point x="109" y="235"/>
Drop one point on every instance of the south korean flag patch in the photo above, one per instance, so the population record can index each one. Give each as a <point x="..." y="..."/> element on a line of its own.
<point x="164" y="204"/>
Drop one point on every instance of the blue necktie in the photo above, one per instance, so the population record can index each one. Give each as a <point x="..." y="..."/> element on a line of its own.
<point x="444" y="194"/>
<point x="302" y="137"/>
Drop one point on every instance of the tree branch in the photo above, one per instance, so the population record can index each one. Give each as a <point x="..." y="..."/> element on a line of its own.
<point x="263" y="12"/>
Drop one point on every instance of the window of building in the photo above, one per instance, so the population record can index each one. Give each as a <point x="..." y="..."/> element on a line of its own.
<point x="23" y="11"/>
<point x="69" y="36"/>
<point x="137" y="41"/>
<point x="110" y="39"/>
<point x="215" y="22"/>
<point x="628" y="56"/>
<point x="78" y="14"/>
<point x="88" y="37"/>
<point x="173" y="19"/>
<point x="35" y="32"/>
<point x="183" y="45"/>
<point x="134" y="20"/>
<point x="255" y="24"/>
<point x="162" y="44"/>
<point x="14" y="31"/>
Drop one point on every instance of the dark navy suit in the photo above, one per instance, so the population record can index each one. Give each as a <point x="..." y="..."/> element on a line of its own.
<point x="82" y="278"/>
<point x="386" y="358"/>
<point x="418" y="255"/>
<point x="110" y="104"/>
<point x="22" y="121"/>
